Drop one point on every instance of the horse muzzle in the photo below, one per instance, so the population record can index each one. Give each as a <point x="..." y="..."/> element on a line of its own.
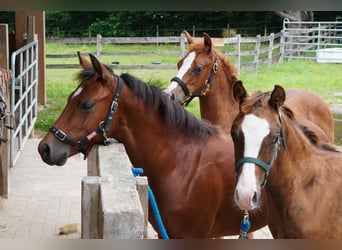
<point x="52" y="154"/>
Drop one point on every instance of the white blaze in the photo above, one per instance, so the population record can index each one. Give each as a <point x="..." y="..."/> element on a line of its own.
<point x="77" y="92"/>
<point x="182" y="71"/>
<point x="254" y="129"/>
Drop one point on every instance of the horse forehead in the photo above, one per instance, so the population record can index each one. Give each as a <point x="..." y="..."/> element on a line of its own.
<point x="187" y="62"/>
<point x="77" y="91"/>
<point x="254" y="129"/>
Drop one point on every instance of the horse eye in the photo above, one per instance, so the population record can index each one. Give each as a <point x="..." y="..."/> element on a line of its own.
<point x="199" y="69"/>
<point x="87" y="105"/>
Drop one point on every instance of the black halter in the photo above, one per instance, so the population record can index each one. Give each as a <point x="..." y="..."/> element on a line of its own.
<point x="104" y="126"/>
<point x="201" y="91"/>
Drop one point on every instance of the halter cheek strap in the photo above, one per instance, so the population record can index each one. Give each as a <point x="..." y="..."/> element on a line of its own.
<point x="104" y="126"/>
<point x="265" y="166"/>
<point x="201" y="91"/>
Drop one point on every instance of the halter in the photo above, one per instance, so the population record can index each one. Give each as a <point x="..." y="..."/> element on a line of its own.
<point x="104" y="126"/>
<point x="201" y="91"/>
<point x="265" y="166"/>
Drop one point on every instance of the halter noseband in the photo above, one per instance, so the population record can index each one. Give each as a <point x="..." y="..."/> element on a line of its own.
<point x="201" y="91"/>
<point x="104" y="126"/>
<point x="265" y="166"/>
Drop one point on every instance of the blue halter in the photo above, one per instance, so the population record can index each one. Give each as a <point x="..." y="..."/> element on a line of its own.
<point x="265" y="166"/>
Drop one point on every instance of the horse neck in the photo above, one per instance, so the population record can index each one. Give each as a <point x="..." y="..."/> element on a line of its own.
<point x="298" y="149"/>
<point x="219" y="106"/>
<point x="144" y="135"/>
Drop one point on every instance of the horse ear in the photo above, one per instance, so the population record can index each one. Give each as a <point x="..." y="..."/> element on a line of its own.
<point x="278" y="97"/>
<point x="83" y="61"/>
<point x="207" y="42"/>
<point x="97" y="66"/>
<point x="188" y="37"/>
<point x="239" y="91"/>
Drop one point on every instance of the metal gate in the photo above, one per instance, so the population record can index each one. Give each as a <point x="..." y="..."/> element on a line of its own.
<point x="24" y="87"/>
<point x="312" y="40"/>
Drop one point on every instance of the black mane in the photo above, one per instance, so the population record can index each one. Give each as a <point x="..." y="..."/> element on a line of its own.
<point x="170" y="112"/>
<point x="173" y="114"/>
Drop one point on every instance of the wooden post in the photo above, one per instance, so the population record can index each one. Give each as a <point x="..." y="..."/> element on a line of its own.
<point x="90" y="210"/>
<point x="282" y="47"/>
<point x="182" y="45"/>
<point x="256" y="54"/>
<point x="270" y="48"/>
<point x="238" y="52"/>
<point x="23" y="25"/>
<point x="5" y="76"/>
<point x="98" y="46"/>
<point x="4" y="49"/>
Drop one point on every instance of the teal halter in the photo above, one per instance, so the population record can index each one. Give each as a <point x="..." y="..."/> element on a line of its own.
<point x="265" y="166"/>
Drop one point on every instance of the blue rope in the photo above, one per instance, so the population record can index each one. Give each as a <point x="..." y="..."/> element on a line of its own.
<point x="153" y="203"/>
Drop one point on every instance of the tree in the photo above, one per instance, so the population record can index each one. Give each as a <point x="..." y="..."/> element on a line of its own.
<point x="297" y="16"/>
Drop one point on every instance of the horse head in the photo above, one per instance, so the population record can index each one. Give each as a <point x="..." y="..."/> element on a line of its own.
<point x="257" y="132"/>
<point x="195" y="71"/>
<point x="87" y="116"/>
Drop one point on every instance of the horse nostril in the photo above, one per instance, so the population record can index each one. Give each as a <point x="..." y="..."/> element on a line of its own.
<point x="255" y="198"/>
<point x="45" y="151"/>
<point x="172" y="96"/>
<point x="237" y="195"/>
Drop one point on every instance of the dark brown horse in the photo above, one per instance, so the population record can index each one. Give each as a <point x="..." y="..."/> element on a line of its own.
<point x="304" y="179"/>
<point x="188" y="162"/>
<point x="204" y="72"/>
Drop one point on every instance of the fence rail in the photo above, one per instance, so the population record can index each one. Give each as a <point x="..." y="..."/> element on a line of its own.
<point x="246" y="51"/>
<point x="321" y="41"/>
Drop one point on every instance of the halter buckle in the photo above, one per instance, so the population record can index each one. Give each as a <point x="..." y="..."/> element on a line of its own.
<point x="60" y="135"/>
<point x="215" y="66"/>
<point x="206" y="89"/>
<point x="186" y="100"/>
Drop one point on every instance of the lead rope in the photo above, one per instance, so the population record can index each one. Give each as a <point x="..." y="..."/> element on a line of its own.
<point x="244" y="226"/>
<point x="137" y="172"/>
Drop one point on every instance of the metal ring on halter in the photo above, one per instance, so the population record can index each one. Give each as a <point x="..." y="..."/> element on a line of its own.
<point x="102" y="125"/>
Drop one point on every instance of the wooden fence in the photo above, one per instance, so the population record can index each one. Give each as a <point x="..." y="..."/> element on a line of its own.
<point x="244" y="52"/>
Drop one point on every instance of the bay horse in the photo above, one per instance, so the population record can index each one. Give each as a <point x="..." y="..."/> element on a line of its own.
<point x="304" y="179"/>
<point x="204" y="72"/>
<point x="187" y="161"/>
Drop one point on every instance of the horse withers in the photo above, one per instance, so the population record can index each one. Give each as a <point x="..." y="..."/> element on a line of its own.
<point x="303" y="177"/>
<point x="189" y="163"/>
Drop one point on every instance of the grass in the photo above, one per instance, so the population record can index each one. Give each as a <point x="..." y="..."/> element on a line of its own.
<point x="322" y="79"/>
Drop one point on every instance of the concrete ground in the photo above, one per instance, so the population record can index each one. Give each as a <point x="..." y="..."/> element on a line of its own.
<point x="44" y="198"/>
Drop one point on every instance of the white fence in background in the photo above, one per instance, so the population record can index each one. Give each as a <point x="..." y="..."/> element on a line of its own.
<point x="321" y="41"/>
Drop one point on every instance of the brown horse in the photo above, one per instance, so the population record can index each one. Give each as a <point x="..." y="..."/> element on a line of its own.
<point x="188" y="162"/>
<point x="304" y="180"/>
<point x="204" y="72"/>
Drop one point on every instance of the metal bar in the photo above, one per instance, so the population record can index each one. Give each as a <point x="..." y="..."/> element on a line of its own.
<point x="23" y="96"/>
